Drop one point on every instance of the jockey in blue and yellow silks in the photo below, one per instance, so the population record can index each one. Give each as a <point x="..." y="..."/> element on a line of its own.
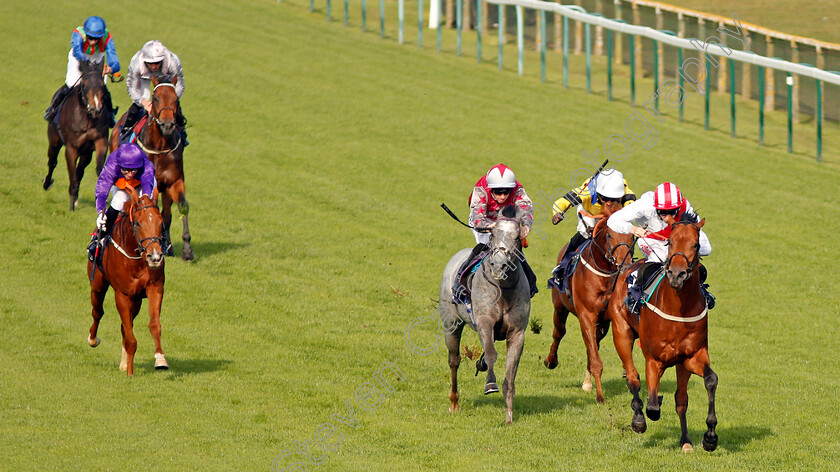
<point x="89" y="42"/>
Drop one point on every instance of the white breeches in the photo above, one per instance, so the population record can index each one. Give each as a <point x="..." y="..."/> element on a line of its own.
<point x="73" y="72"/>
<point x="120" y="197"/>
<point x="481" y="238"/>
<point x="654" y="249"/>
<point x="585" y="224"/>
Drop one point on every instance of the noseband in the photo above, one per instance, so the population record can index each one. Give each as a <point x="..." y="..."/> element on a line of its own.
<point x="134" y="226"/>
<point x="174" y="112"/>
<point x="691" y="262"/>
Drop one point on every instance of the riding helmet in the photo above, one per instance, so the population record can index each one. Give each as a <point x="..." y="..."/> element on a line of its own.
<point x="500" y="176"/>
<point x="667" y="197"/>
<point x="94" y="27"/>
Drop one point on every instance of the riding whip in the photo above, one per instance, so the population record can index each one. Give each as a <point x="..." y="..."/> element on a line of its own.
<point x="593" y="176"/>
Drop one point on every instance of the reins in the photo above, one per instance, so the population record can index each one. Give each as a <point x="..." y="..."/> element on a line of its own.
<point x="141" y="248"/>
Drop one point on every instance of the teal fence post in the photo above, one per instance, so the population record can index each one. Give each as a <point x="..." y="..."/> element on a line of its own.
<point x="459" y="8"/>
<point x="439" y="24"/>
<point x="329" y="10"/>
<point x="565" y="52"/>
<point x="478" y="8"/>
<point x="347" y="11"/>
<point x="732" y="93"/>
<point x="419" y="23"/>
<point x="381" y="18"/>
<point x="311" y="6"/>
<point x="680" y="60"/>
<point x="520" y="36"/>
<point x="632" y="70"/>
<point x="760" y="106"/>
<point x="400" y="19"/>
<point x="609" y="65"/>
<point x="708" y="89"/>
<point x="501" y="32"/>
<point x="789" y="81"/>
<point x="364" y="14"/>
<point x="819" y="120"/>
<point x="588" y="43"/>
<point x="542" y="45"/>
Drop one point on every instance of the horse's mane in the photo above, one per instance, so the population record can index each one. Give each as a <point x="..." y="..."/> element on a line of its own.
<point x="689" y="217"/>
<point x="509" y="211"/>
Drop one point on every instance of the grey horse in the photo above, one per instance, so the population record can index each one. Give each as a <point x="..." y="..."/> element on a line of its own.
<point x="501" y="306"/>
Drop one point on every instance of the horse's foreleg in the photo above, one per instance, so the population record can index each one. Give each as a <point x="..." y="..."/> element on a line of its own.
<point x="166" y="213"/>
<point x="560" y="316"/>
<point x="84" y="161"/>
<point x="155" y="296"/>
<point x="98" y="289"/>
<point x="485" y="335"/>
<point x="52" y="157"/>
<point x="653" y="374"/>
<point x="128" y="309"/>
<point x="594" y="366"/>
<point x="453" y="345"/>
<point x="699" y="364"/>
<point x="101" y="154"/>
<point x="177" y="193"/>
<point x="70" y="155"/>
<point x="681" y="401"/>
<point x="623" y="338"/>
<point x="515" y="343"/>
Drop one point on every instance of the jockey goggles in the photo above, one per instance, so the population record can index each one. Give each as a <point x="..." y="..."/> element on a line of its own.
<point x="603" y="199"/>
<point x="672" y="212"/>
<point x="129" y="169"/>
<point x="501" y="191"/>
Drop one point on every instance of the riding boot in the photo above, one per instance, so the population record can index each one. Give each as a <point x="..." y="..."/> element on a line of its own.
<point x="571" y="248"/>
<point x="635" y="291"/>
<point x="109" y="104"/>
<point x="458" y="290"/>
<point x="131" y="118"/>
<point x="57" y="98"/>
<point x="111" y="215"/>
<point x="531" y="276"/>
<point x="704" y="287"/>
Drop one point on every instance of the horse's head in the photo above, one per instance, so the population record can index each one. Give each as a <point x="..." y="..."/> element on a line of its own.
<point x="618" y="247"/>
<point x="147" y="223"/>
<point x="683" y="249"/>
<point x="505" y="246"/>
<point x="164" y="104"/>
<point x="93" y="86"/>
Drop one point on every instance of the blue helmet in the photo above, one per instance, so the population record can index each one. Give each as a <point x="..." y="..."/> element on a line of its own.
<point x="130" y="156"/>
<point x="95" y="27"/>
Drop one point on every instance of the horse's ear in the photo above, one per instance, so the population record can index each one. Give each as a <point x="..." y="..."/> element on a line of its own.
<point x="174" y="79"/>
<point x="132" y="192"/>
<point x="155" y="81"/>
<point x="701" y="223"/>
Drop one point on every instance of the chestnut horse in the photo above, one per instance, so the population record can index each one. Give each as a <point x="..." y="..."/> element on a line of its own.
<point x="82" y="128"/>
<point x="161" y="140"/>
<point x="672" y="330"/>
<point x="602" y="259"/>
<point x="132" y="263"/>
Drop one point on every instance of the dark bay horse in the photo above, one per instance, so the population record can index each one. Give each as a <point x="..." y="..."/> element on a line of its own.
<point x="133" y="264"/>
<point x="501" y="305"/>
<point x="606" y="255"/>
<point x="161" y="140"/>
<point x="672" y="329"/>
<point x="83" y="123"/>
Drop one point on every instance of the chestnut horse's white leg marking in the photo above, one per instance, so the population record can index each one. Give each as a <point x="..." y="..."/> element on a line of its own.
<point x="124" y="360"/>
<point x="160" y="361"/>
<point x="587" y="382"/>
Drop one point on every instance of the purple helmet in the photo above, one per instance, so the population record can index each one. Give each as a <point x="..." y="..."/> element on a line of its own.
<point x="95" y="27"/>
<point x="130" y="156"/>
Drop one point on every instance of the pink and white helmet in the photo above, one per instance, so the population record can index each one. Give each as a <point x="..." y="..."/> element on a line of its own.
<point x="500" y="176"/>
<point x="667" y="197"/>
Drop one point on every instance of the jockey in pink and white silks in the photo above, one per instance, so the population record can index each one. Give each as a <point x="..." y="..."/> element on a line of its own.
<point x="90" y="42"/>
<point x="650" y="218"/>
<point x="494" y="191"/>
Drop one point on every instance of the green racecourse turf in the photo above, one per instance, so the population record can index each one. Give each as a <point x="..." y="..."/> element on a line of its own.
<point x="319" y="158"/>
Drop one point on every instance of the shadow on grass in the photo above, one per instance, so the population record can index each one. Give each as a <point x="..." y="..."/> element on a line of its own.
<point x="733" y="439"/>
<point x="525" y="405"/>
<point x="203" y="249"/>
<point x="180" y="367"/>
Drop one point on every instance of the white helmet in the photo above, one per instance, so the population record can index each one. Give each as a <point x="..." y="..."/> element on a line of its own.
<point x="500" y="176"/>
<point x="153" y="51"/>
<point x="610" y="184"/>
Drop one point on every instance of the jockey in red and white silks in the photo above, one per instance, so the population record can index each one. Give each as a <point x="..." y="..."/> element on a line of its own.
<point x="495" y="190"/>
<point x="650" y="218"/>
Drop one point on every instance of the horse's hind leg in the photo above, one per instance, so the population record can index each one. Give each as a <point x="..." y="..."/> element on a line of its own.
<point x="52" y="157"/>
<point x="453" y="345"/>
<point x="166" y="212"/>
<point x="98" y="289"/>
<point x="560" y="316"/>
<point x="681" y="400"/>
<point x="84" y="161"/>
<point x="515" y="343"/>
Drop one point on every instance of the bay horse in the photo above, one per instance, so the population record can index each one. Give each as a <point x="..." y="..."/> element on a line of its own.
<point x="82" y="128"/>
<point x="161" y="140"/>
<point x="672" y="329"/>
<point x="604" y="257"/>
<point x="133" y="264"/>
<point x="501" y="305"/>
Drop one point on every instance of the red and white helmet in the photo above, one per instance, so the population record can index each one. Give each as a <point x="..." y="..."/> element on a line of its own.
<point x="500" y="176"/>
<point x="667" y="197"/>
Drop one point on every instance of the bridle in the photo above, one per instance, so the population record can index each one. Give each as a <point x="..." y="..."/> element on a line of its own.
<point x="141" y="247"/>
<point x="83" y="91"/>
<point x="155" y="117"/>
<point x="691" y="262"/>
<point x="609" y="252"/>
<point x="507" y="252"/>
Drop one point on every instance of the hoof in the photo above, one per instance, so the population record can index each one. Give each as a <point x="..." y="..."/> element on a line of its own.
<point x="710" y="441"/>
<point x="123" y="366"/>
<point x="639" y="426"/>
<point x="687" y="447"/>
<point x="160" y="362"/>
<point x="187" y="255"/>
<point x="653" y="414"/>
<point x="454" y="408"/>
<point x="48" y="183"/>
<point x="550" y="363"/>
<point x="586" y="387"/>
<point x="491" y="387"/>
<point x="93" y="342"/>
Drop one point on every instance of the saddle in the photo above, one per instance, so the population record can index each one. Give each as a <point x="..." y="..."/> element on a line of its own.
<point x="130" y="135"/>
<point x="641" y="284"/>
<point x="561" y="274"/>
<point x="464" y="279"/>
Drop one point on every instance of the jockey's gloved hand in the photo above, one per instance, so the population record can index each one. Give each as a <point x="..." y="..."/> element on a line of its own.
<point x="100" y="221"/>
<point x="557" y="217"/>
<point x="523" y="232"/>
